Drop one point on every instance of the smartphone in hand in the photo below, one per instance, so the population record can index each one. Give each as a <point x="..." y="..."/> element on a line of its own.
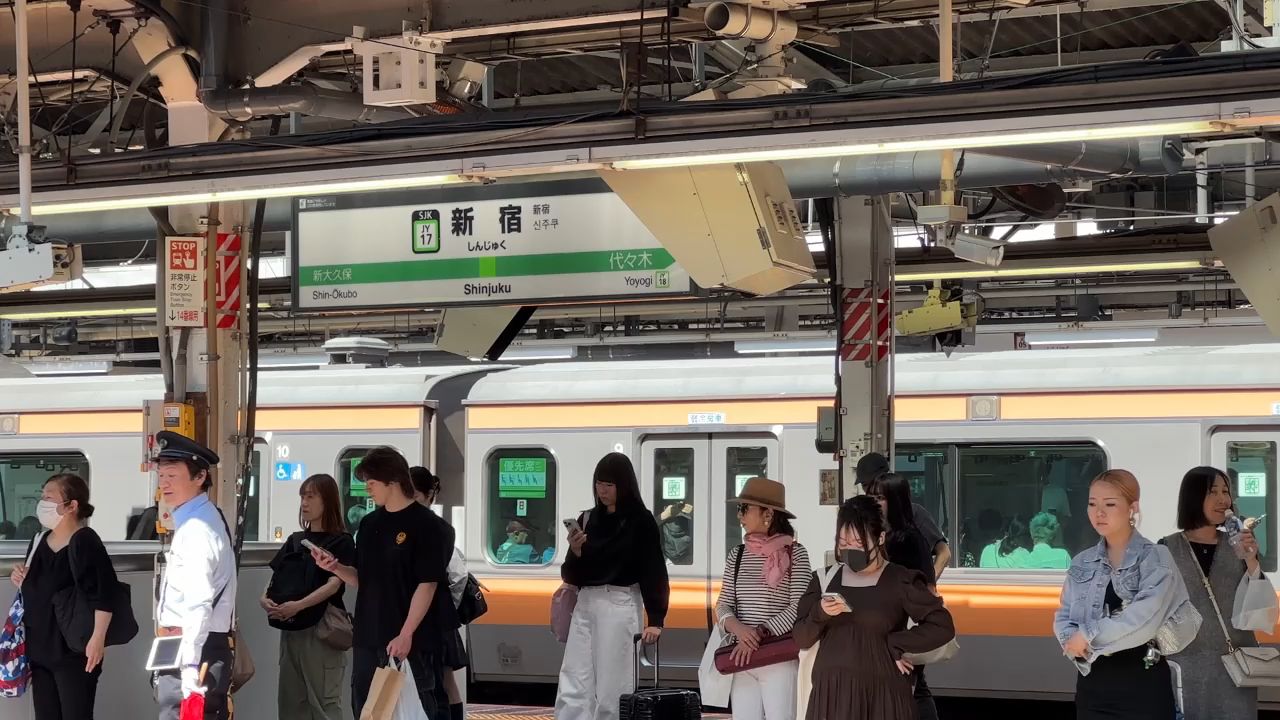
<point x="571" y="525"/>
<point x="837" y="597"/>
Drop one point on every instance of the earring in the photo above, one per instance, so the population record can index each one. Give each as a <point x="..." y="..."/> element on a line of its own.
<point x="1133" y="519"/>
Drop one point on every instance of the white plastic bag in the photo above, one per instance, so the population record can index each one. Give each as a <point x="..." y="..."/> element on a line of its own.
<point x="1255" y="606"/>
<point x="410" y="705"/>
<point x="714" y="686"/>
<point x="804" y="674"/>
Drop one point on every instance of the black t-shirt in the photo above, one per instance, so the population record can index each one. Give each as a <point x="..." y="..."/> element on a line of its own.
<point x="909" y="549"/>
<point x="295" y="574"/>
<point x="51" y="573"/>
<point x="395" y="553"/>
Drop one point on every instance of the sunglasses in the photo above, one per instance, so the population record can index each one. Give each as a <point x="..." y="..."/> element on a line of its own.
<point x="744" y="507"/>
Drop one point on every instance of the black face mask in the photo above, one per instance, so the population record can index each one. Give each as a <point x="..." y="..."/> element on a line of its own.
<point x="856" y="560"/>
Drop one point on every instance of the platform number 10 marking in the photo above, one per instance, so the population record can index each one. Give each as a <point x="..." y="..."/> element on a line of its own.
<point x="426" y="231"/>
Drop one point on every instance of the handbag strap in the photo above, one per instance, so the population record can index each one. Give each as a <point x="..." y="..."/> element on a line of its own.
<point x="35" y="545"/>
<point x="1213" y="600"/>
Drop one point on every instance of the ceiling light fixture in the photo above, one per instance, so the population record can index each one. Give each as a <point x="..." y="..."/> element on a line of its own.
<point x="961" y="142"/>
<point x="791" y="345"/>
<point x="87" y="313"/>
<point x="1093" y="337"/>
<point x="264" y="192"/>
<point x="1019" y="272"/>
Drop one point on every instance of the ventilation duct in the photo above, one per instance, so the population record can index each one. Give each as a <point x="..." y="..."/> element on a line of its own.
<point x="244" y="104"/>
<point x="1027" y="165"/>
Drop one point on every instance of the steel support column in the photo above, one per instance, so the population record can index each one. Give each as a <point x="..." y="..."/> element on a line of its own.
<point x="864" y="255"/>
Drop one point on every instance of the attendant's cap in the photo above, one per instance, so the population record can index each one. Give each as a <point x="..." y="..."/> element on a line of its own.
<point x="179" y="447"/>
<point x="871" y="466"/>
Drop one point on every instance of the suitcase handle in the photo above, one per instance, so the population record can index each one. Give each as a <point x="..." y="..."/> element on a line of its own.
<point x="639" y="653"/>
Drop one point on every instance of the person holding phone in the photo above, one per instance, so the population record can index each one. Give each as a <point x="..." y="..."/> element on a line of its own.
<point x="861" y="620"/>
<point x="400" y="561"/>
<point x="296" y="599"/>
<point x="615" y="558"/>
<point x="69" y="557"/>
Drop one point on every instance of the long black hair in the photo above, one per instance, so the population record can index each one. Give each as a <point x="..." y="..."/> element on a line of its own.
<point x="1016" y="535"/>
<point x="862" y="515"/>
<point x="1196" y="485"/>
<point x="617" y="469"/>
<point x="896" y="490"/>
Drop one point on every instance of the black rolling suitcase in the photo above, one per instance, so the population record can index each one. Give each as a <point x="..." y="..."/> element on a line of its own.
<point x="656" y="703"/>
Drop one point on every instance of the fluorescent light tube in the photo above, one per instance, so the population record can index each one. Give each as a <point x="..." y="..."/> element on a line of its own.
<point x="545" y="352"/>
<point x="963" y="142"/>
<point x="268" y="192"/>
<point x="756" y="347"/>
<point x="1092" y="337"/>
<point x="1053" y="270"/>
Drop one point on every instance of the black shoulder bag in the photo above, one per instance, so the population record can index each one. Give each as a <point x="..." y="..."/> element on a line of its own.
<point x="75" y="616"/>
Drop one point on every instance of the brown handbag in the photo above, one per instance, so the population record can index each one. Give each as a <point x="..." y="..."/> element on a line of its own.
<point x="772" y="650"/>
<point x="334" y="629"/>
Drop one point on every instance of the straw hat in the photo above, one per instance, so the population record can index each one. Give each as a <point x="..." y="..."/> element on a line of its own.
<point x="765" y="493"/>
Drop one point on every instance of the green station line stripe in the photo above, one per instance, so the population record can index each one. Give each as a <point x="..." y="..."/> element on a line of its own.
<point x="492" y="266"/>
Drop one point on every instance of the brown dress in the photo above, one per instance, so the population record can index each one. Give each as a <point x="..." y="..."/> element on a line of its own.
<point x="854" y="675"/>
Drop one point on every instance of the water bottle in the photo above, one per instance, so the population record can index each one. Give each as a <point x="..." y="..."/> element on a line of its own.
<point x="1234" y="526"/>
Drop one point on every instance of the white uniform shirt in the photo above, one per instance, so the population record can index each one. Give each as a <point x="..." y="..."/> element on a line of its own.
<point x="199" y="564"/>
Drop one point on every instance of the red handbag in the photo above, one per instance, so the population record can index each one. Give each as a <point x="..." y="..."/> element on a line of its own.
<point x="772" y="650"/>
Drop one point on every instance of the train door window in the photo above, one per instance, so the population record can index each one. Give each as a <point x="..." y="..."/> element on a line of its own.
<point x="253" y="486"/>
<point x="1251" y="465"/>
<point x="674" y="483"/>
<point x="522" y="525"/>
<point x="1023" y="506"/>
<point x="22" y="476"/>
<point x="356" y="502"/>
<point x="926" y="468"/>
<point x="741" y="464"/>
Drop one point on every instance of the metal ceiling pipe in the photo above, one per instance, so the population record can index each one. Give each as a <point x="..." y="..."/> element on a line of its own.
<point x="1142" y="156"/>
<point x="213" y="20"/>
<point x="244" y="104"/>
<point x="735" y="20"/>
<point x="919" y="171"/>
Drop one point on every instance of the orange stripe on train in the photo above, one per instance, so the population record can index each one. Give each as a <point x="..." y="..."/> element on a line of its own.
<point x="994" y="610"/>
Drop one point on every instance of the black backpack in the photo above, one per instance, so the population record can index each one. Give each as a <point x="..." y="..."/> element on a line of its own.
<point x="472" y="605"/>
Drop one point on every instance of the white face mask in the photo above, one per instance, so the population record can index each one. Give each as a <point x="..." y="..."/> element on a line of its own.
<point x="47" y="514"/>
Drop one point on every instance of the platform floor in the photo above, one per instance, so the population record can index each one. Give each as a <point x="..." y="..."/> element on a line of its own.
<point x="516" y="712"/>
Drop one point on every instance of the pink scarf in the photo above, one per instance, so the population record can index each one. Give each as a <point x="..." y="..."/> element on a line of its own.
<point x="776" y="552"/>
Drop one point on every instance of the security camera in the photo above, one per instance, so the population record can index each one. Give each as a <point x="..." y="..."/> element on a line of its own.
<point x="974" y="248"/>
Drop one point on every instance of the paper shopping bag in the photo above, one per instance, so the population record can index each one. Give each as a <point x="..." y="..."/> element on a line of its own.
<point x="384" y="693"/>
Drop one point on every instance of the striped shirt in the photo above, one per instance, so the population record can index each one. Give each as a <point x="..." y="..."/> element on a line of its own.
<point x="754" y="603"/>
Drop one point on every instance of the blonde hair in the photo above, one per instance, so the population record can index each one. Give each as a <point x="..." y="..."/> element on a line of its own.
<point x="1122" y="480"/>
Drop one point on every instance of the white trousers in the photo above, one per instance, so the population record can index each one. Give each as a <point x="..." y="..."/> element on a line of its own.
<point x="598" y="658"/>
<point x="767" y="693"/>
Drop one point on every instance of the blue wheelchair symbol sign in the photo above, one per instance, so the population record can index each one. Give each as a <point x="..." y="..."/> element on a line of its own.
<point x="290" y="471"/>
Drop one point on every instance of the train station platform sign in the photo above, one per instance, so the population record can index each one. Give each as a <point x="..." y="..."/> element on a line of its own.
<point x="495" y="245"/>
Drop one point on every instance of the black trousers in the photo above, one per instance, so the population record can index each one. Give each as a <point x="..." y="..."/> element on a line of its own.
<point x="925" y="707"/>
<point x="217" y="682"/>
<point x="64" y="691"/>
<point x="428" y="675"/>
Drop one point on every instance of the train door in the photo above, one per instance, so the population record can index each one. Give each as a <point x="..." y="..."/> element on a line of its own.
<point x="1249" y="457"/>
<point x="689" y="481"/>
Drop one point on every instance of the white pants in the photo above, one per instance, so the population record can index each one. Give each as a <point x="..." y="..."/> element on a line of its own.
<point x="767" y="693"/>
<point x="598" y="659"/>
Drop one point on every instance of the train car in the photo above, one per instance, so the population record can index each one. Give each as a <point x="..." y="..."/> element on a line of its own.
<point x="983" y="438"/>
<point x="308" y="421"/>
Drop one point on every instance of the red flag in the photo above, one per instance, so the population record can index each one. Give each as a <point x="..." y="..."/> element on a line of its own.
<point x="192" y="707"/>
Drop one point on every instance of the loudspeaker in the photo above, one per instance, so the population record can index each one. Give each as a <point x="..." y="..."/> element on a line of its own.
<point x="480" y="332"/>
<point x="733" y="226"/>
<point x="1249" y="245"/>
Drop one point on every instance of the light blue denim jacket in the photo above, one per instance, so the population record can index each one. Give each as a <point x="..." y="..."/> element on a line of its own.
<point x="1152" y="591"/>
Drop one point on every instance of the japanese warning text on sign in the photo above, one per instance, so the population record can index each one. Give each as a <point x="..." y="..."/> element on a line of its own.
<point x="184" y="283"/>
<point x="353" y="253"/>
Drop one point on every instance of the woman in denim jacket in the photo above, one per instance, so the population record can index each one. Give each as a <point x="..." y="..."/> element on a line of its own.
<point x="1119" y="597"/>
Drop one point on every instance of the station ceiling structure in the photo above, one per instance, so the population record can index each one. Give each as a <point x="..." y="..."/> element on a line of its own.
<point x="1099" y="141"/>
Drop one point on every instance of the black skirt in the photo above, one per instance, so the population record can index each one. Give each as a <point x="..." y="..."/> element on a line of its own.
<point x="1120" y="686"/>
<point x="455" y="653"/>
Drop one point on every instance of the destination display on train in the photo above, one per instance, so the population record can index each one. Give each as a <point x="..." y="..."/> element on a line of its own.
<point x="350" y="254"/>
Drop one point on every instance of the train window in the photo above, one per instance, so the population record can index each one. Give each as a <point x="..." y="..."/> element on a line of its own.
<point x="22" y="475"/>
<point x="926" y="467"/>
<point x="1252" y="467"/>
<point x="1023" y="506"/>
<point x="741" y="464"/>
<point x="356" y="502"/>
<point x="522" y="524"/>
<point x="673" y="492"/>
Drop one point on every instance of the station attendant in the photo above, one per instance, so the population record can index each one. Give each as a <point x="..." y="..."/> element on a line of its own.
<point x="198" y="595"/>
